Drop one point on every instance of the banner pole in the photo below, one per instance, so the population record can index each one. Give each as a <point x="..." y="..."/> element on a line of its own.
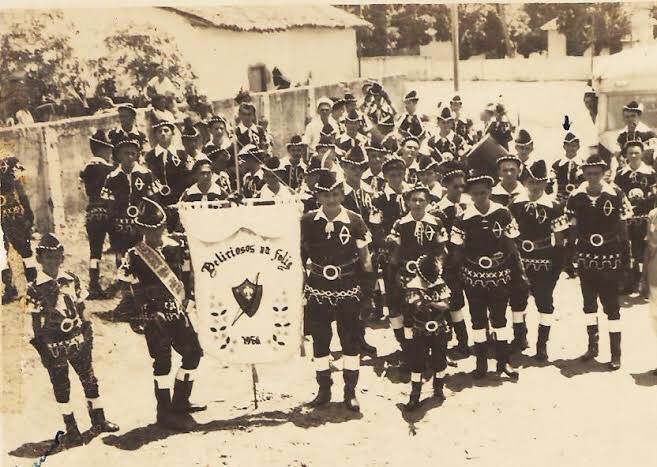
<point x="254" y="381"/>
<point x="238" y="181"/>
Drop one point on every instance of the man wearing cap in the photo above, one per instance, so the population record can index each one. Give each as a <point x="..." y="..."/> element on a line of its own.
<point x="295" y="163"/>
<point x="597" y="212"/>
<point x="274" y="188"/>
<point x="206" y="187"/>
<point x="247" y="132"/>
<point x="127" y="128"/>
<point x="409" y="118"/>
<point x="334" y="246"/>
<point x="63" y="335"/>
<point x="417" y="233"/>
<point x="352" y="136"/>
<point x="376" y="154"/>
<point x="448" y="209"/>
<point x="408" y="152"/>
<point x="639" y="183"/>
<point x="446" y="140"/>
<point x="253" y="178"/>
<point x="543" y="229"/>
<point x="351" y="103"/>
<point x="524" y="146"/>
<point x="508" y="187"/>
<point x="566" y="171"/>
<point x="312" y="134"/>
<point x="460" y="124"/>
<point x="191" y="142"/>
<point x="123" y="190"/>
<point x="169" y="169"/>
<point x="387" y="207"/>
<point x="635" y="129"/>
<point x="358" y="198"/>
<point x="427" y="174"/>
<point x="17" y="220"/>
<point x="152" y="270"/>
<point x="97" y="220"/>
<point x="483" y="243"/>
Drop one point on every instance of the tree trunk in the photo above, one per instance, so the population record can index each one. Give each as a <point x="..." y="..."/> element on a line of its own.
<point x="501" y="14"/>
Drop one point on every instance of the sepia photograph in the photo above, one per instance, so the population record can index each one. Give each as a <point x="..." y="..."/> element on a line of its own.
<point x="301" y="234"/>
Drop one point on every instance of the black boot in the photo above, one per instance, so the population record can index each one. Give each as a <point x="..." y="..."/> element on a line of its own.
<point x="592" y="350"/>
<point x="99" y="424"/>
<point x="166" y="418"/>
<point x="180" y="401"/>
<point x="438" y="384"/>
<point x="519" y="342"/>
<point x="96" y="292"/>
<point x="462" y="350"/>
<point x="482" y="360"/>
<point x="541" y="343"/>
<point x="324" y="393"/>
<point x="502" y="352"/>
<point x="350" y="381"/>
<point x="615" y="345"/>
<point x="365" y="348"/>
<point x="72" y="437"/>
<point x="414" y="399"/>
<point x="10" y="293"/>
<point x="399" y="335"/>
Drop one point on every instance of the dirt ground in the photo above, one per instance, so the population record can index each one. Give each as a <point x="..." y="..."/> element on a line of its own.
<point x="562" y="413"/>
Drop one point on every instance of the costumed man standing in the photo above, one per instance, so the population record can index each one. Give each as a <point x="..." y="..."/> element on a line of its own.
<point x="597" y="212"/>
<point x="358" y="198"/>
<point x="296" y="162"/>
<point x="152" y="270"/>
<point x="127" y="128"/>
<point x="635" y="129"/>
<point x="524" y="147"/>
<point x="17" y="220"/>
<point x="352" y="136"/>
<point x="483" y="238"/>
<point x="504" y="192"/>
<point x="449" y="208"/>
<point x="417" y="233"/>
<point x="247" y="132"/>
<point x="566" y="171"/>
<point x="169" y="169"/>
<point x="206" y="187"/>
<point x="427" y="296"/>
<point x="540" y="220"/>
<point x="334" y="246"/>
<point x="63" y="335"/>
<point x="97" y="219"/>
<point x="387" y="207"/>
<point x="409" y="119"/>
<point x="446" y="140"/>
<point x="274" y="188"/>
<point x="373" y="175"/>
<point x="253" y="179"/>
<point x="409" y="153"/>
<point x="639" y="183"/>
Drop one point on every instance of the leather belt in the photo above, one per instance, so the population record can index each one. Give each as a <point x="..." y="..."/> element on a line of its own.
<point x="597" y="240"/>
<point x="568" y="188"/>
<point x="535" y="245"/>
<point x="333" y="272"/>
<point x="488" y="262"/>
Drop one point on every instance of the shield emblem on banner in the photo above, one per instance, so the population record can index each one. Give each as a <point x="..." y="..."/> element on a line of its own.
<point x="248" y="296"/>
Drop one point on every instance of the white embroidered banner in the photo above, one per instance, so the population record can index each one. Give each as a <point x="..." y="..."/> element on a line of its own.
<point x="248" y="280"/>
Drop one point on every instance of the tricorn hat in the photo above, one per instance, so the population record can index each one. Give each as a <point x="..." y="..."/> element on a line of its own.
<point x="393" y="162"/>
<point x="295" y="141"/>
<point x="451" y="169"/>
<point x="426" y="163"/>
<point x="352" y="117"/>
<point x="273" y="164"/>
<point x="99" y="139"/>
<point x="386" y="120"/>
<point x="327" y="181"/>
<point x="162" y="123"/>
<point x="200" y="162"/>
<point x="476" y="176"/>
<point x="151" y="215"/>
<point x="538" y="171"/>
<point x="189" y="130"/>
<point x="411" y="96"/>
<point x="509" y="158"/>
<point x="49" y="242"/>
<point x="446" y="114"/>
<point x="634" y="106"/>
<point x="418" y="187"/>
<point x="570" y="137"/>
<point x="523" y="138"/>
<point x="127" y="107"/>
<point x="355" y="156"/>
<point x="349" y="97"/>
<point x="594" y="161"/>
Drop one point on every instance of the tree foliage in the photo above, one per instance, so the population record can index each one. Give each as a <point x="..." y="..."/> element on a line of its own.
<point x="134" y="58"/>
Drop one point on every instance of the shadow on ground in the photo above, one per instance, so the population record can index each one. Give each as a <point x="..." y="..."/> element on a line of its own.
<point x="48" y="447"/>
<point x="648" y="378"/>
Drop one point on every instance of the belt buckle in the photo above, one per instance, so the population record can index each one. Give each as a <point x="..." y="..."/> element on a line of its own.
<point x="527" y="246"/>
<point x="68" y="323"/>
<point x="570" y="187"/>
<point x="485" y="262"/>
<point x="596" y="240"/>
<point x="431" y="326"/>
<point x="331" y="272"/>
<point x="165" y="190"/>
<point x="411" y="267"/>
<point x="132" y="211"/>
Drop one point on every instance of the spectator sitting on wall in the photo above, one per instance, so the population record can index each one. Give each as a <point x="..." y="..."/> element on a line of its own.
<point x="161" y="85"/>
<point x="22" y="115"/>
<point x="279" y="80"/>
